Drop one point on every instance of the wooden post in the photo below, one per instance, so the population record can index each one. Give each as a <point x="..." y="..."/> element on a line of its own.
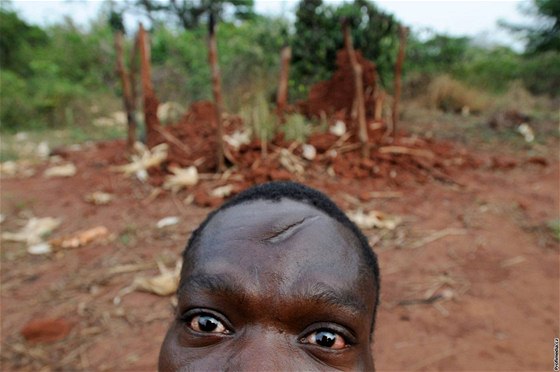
<point x="134" y="73"/>
<point x="282" y="93"/>
<point x="398" y="72"/>
<point x="150" y="101"/>
<point x="216" y="89"/>
<point x="128" y="99"/>
<point x="359" y="101"/>
<point x="378" y="108"/>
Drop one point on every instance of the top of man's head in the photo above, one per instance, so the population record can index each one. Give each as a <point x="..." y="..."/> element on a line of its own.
<point x="276" y="191"/>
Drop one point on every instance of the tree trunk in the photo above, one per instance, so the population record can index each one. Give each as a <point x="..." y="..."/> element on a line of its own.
<point x="216" y="90"/>
<point x="128" y="98"/>
<point x="359" y="101"/>
<point x="150" y="100"/>
<point x="282" y="94"/>
<point x="398" y="72"/>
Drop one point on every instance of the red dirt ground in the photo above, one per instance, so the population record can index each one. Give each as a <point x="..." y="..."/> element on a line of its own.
<point x="500" y="264"/>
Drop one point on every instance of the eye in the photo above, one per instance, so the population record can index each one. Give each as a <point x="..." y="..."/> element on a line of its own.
<point x="326" y="338"/>
<point x="206" y="323"/>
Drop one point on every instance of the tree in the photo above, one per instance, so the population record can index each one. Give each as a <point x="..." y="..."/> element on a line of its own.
<point x="319" y="36"/>
<point x="545" y="34"/>
<point x="190" y="14"/>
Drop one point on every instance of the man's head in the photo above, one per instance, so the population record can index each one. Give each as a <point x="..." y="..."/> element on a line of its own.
<point x="278" y="278"/>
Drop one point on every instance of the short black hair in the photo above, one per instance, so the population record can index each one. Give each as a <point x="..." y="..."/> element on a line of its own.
<point x="275" y="192"/>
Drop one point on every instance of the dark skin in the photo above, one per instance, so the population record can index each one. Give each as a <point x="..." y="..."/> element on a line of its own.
<point x="270" y="287"/>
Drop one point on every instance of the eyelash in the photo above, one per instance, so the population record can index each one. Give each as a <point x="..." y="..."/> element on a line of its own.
<point x="347" y="337"/>
<point x="188" y="318"/>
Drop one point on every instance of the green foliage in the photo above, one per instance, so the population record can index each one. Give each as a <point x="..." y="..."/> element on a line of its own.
<point x="541" y="73"/>
<point x="437" y="54"/>
<point x="544" y="36"/>
<point x="296" y="128"/>
<point x="248" y="55"/>
<point x="554" y="226"/>
<point x="50" y="74"/>
<point x="18" y="42"/>
<point x="63" y="75"/>
<point x="488" y="69"/>
<point x="258" y="115"/>
<point x="318" y="36"/>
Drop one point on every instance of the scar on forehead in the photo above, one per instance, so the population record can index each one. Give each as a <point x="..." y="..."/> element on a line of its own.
<point x="282" y="233"/>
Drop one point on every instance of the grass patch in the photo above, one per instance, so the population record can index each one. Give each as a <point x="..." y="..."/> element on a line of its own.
<point x="554" y="226"/>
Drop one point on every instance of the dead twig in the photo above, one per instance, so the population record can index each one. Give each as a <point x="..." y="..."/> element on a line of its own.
<point x="406" y="151"/>
<point x="436" y="236"/>
<point x="172" y="139"/>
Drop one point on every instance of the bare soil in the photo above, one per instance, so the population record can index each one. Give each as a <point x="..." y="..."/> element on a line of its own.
<point x="470" y="278"/>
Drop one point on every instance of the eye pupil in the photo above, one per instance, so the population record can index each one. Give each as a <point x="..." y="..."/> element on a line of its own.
<point x="325" y="338"/>
<point x="207" y="323"/>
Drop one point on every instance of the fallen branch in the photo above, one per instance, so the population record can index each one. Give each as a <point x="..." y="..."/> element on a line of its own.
<point x="172" y="139"/>
<point x="406" y="151"/>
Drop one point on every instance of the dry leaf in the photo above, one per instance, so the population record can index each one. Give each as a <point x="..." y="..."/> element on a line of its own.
<point x="238" y="138"/>
<point x="81" y="238"/>
<point x="527" y="132"/>
<point x="40" y="248"/>
<point x="181" y="178"/>
<point x="66" y="170"/>
<point x="338" y="129"/>
<point x="164" y="284"/>
<point x="291" y="162"/>
<point x="167" y="221"/>
<point x="33" y="232"/>
<point x="99" y="198"/>
<point x="12" y="168"/>
<point x="222" y="191"/>
<point x="374" y="219"/>
<point x="309" y="151"/>
<point x="145" y="159"/>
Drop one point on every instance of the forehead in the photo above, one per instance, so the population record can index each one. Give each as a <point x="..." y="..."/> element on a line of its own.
<point x="278" y="246"/>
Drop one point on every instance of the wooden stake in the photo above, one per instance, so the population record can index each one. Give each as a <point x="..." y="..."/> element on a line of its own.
<point x="359" y="90"/>
<point x="216" y="88"/>
<point x="134" y="72"/>
<point x="398" y="72"/>
<point x="282" y="94"/>
<point x="128" y="98"/>
<point x="150" y="101"/>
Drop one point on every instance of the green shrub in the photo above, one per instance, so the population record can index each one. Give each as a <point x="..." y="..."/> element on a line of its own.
<point x="296" y="128"/>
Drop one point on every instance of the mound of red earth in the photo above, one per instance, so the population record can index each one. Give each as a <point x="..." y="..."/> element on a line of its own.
<point x="338" y="160"/>
<point x="193" y="139"/>
<point x="337" y="94"/>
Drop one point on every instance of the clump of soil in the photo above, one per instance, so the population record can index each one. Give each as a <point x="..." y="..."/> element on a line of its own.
<point x="46" y="330"/>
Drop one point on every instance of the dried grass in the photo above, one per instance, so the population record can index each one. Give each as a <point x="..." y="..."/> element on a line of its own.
<point x="447" y="94"/>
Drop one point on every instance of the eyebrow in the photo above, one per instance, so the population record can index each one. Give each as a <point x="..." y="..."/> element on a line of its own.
<point x="220" y="283"/>
<point x="319" y="293"/>
<point x="323" y="293"/>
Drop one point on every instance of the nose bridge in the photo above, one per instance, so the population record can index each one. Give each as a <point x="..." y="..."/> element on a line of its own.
<point x="264" y="349"/>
